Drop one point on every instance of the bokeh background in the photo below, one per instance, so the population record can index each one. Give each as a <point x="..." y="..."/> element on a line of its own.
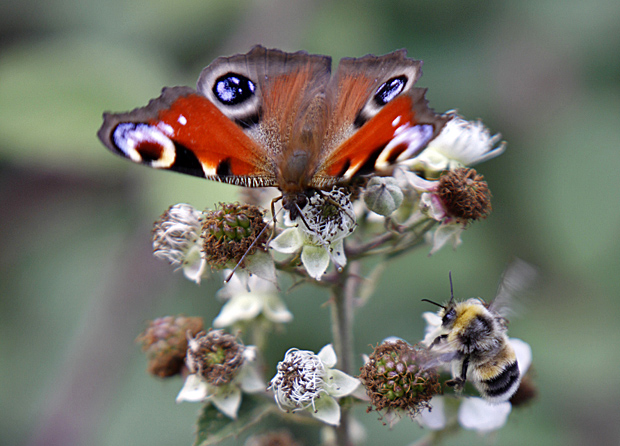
<point x="77" y="280"/>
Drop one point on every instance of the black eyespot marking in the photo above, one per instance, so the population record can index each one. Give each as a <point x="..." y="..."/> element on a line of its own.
<point x="223" y="168"/>
<point x="233" y="89"/>
<point x="186" y="162"/>
<point x="345" y="167"/>
<point x="360" y="120"/>
<point x="389" y="90"/>
<point x="249" y="121"/>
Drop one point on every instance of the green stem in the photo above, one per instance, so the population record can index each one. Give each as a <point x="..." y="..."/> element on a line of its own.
<point x="343" y="292"/>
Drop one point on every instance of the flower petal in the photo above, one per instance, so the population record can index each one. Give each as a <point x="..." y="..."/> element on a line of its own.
<point x="327" y="410"/>
<point x="435" y="417"/>
<point x="275" y="310"/>
<point x="261" y="264"/>
<point x="477" y="414"/>
<point x="524" y="354"/>
<point x="315" y="259"/>
<point x="340" y="384"/>
<point x="227" y="400"/>
<point x="241" y="307"/>
<point x="419" y="183"/>
<point x="337" y="251"/>
<point x="250" y="378"/>
<point x="288" y="242"/>
<point x="194" y="390"/>
<point x="194" y="265"/>
<point x="328" y="356"/>
<point x="445" y="233"/>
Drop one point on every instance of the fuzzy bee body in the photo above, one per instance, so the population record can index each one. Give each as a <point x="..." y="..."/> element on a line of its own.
<point x="472" y="338"/>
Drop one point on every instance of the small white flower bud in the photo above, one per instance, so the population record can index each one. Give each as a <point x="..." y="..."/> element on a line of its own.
<point x="383" y="195"/>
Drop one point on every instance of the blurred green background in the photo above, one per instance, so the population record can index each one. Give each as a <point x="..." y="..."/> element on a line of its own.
<point x="77" y="277"/>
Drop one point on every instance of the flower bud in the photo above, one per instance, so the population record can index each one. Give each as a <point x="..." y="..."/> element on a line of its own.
<point x="230" y="231"/>
<point x="383" y="195"/>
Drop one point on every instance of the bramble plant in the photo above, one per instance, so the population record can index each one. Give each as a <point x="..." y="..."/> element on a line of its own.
<point x="426" y="203"/>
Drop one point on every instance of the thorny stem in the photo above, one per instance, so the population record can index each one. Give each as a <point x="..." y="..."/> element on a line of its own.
<point x="343" y="293"/>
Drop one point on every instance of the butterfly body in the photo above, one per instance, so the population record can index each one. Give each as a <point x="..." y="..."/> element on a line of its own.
<point x="271" y="118"/>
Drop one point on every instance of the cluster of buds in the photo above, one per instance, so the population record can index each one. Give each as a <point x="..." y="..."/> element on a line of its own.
<point x="396" y="380"/>
<point x="231" y="232"/>
<point x="219" y="238"/>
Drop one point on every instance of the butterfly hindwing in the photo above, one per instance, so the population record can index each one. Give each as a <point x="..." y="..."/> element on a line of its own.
<point x="380" y="117"/>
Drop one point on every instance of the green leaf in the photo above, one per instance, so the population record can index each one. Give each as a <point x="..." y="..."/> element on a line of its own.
<point x="213" y="426"/>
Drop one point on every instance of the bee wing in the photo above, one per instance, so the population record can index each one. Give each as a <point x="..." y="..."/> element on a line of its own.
<point x="517" y="279"/>
<point x="439" y="354"/>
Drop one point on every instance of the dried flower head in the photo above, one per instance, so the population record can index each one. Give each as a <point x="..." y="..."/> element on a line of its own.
<point x="165" y="343"/>
<point x="176" y="239"/>
<point x="221" y="368"/>
<point x="465" y="194"/>
<point x="230" y="232"/>
<point x="394" y="379"/>
<point x="215" y="356"/>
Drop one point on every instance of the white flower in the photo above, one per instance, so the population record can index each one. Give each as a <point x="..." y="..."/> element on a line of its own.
<point x="319" y="232"/>
<point x="473" y="413"/>
<point x="176" y="239"/>
<point x="247" y="297"/>
<point x="307" y="381"/>
<point x="225" y="397"/>
<point x="460" y="143"/>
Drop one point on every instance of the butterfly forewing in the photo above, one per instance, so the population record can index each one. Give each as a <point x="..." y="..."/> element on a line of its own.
<point x="183" y="131"/>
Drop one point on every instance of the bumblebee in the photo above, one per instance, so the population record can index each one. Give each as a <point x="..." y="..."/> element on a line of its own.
<point x="472" y="338"/>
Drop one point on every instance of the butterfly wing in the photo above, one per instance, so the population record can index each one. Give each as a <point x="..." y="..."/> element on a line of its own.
<point x="234" y="128"/>
<point x="378" y="117"/>
<point x="183" y="131"/>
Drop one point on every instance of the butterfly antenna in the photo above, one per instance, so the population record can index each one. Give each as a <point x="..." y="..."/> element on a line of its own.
<point x="247" y="251"/>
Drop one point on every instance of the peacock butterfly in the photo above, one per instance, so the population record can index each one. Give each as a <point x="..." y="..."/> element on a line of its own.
<point x="271" y="118"/>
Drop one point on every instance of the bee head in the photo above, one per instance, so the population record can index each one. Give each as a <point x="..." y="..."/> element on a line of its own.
<point x="448" y="315"/>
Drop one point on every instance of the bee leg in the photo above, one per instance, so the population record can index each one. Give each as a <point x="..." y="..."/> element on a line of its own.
<point x="458" y="382"/>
